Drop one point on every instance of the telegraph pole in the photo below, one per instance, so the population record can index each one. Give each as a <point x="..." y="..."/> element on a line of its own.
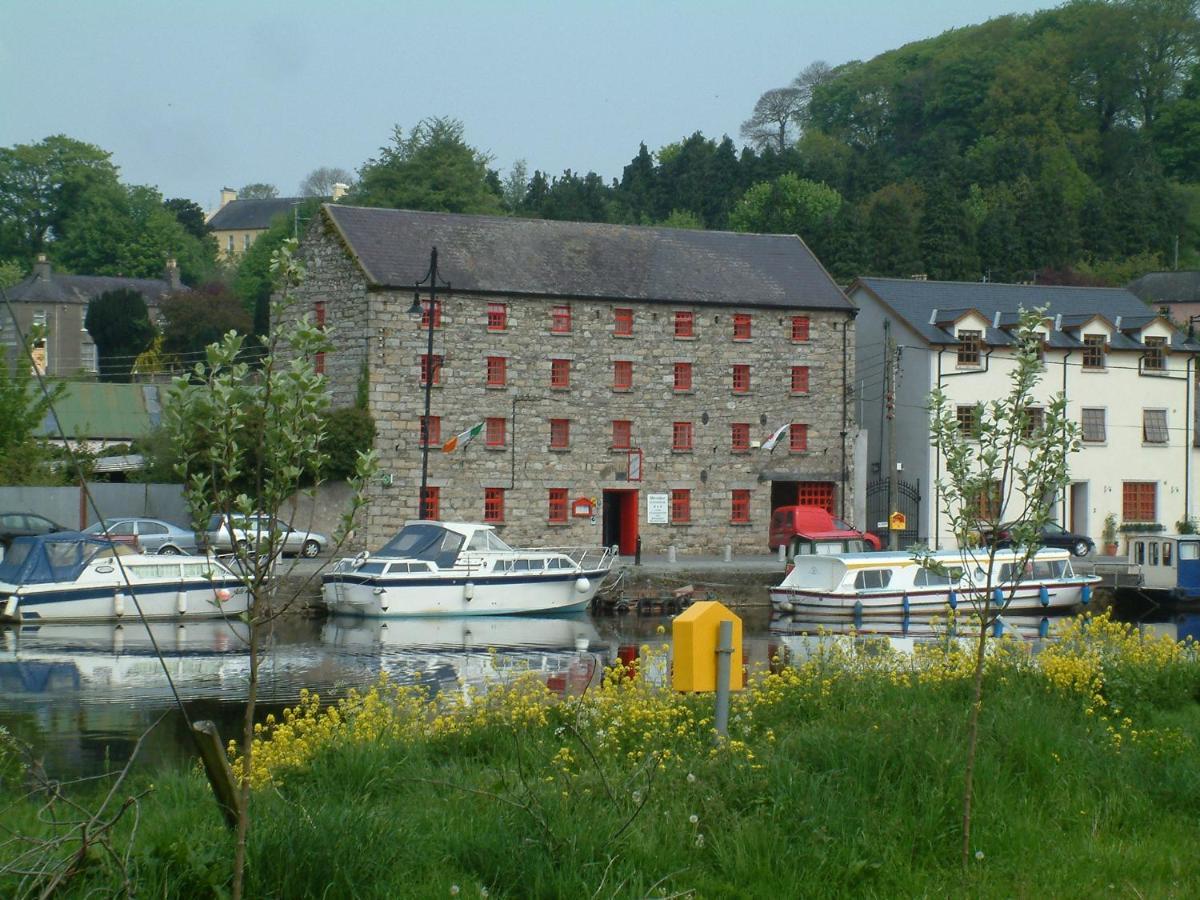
<point x="889" y="400"/>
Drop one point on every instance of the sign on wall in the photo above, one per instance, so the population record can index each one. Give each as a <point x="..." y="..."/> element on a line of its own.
<point x="657" y="509"/>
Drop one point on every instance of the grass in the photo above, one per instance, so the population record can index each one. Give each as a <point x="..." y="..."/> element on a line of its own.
<point x="842" y="776"/>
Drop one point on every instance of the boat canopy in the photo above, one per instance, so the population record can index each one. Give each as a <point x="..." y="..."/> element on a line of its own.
<point x="428" y="541"/>
<point x="47" y="558"/>
<point x="820" y="573"/>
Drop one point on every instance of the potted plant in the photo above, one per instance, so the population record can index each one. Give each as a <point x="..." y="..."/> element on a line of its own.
<point x="1109" y="534"/>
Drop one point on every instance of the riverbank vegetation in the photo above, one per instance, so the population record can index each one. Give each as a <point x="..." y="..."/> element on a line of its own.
<point x="842" y="774"/>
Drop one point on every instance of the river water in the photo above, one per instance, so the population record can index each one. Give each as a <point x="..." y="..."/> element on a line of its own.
<point x="81" y="695"/>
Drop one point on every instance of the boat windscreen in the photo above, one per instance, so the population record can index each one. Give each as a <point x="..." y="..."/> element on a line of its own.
<point x="426" y="541"/>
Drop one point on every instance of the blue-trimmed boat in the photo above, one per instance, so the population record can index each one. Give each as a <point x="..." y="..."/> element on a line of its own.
<point x="463" y="569"/>
<point x="75" y="577"/>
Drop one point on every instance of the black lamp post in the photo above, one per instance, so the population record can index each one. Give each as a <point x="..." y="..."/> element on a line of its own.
<point x="431" y="279"/>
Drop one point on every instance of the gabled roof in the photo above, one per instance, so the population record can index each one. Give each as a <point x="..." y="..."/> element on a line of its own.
<point x="534" y="257"/>
<point x="1168" y="287"/>
<point x="55" y="287"/>
<point x="96" y="411"/>
<point x="251" y="215"/>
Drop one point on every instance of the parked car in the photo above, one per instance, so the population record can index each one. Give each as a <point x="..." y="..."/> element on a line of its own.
<point x="1053" y="535"/>
<point x="808" y="530"/>
<point x="256" y="529"/>
<point x="22" y="524"/>
<point x="151" y="535"/>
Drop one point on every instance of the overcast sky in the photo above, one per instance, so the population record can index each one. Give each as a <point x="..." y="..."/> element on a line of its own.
<point x="190" y="96"/>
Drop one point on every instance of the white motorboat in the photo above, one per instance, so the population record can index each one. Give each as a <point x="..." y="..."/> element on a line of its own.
<point x="899" y="583"/>
<point x="461" y="569"/>
<point x="73" y="577"/>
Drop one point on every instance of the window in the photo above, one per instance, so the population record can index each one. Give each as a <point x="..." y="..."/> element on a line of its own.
<point x="497" y="371"/>
<point x="437" y="314"/>
<point x="969" y="344"/>
<point x="433" y="363"/>
<point x="495" y="433"/>
<point x="797" y="438"/>
<point x="560" y="373"/>
<point x="799" y="379"/>
<point x="560" y="320"/>
<point x="741" y="326"/>
<point x="988" y="502"/>
<point x="872" y="579"/>
<point x="741" y="379"/>
<point x="816" y="493"/>
<point x="621" y="434"/>
<point x="1035" y="420"/>
<point x="560" y="434"/>
<point x="739" y="437"/>
<point x="319" y="315"/>
<point x="681" y="506"/>
<point x="799" y="329"/>
<point x="431" y="431"/>
<point x="557" y="505"/>
<point x="245" y="242"/>
<point x="1138" y="501"/>
<point x="497" y="316"/>
<point x="623" y="322"/>
<point x="229" y="245"/>
<point x="1093" y="426"/>
<point x="1093" y="351"/>
<point x="622" y="375"/>
<point x="493" y="504"/>
<point x="431" y="503"/>
<point x="683" y="376"/>
<point x="739" y="506"/>
<point x="968" y="420"/>
<point x="681" y="436"/>
<point x="87" y="359"/>
<point x="1154" y="426"/>
<point x="685" y="324"/>
<point x="1155" y="358"/>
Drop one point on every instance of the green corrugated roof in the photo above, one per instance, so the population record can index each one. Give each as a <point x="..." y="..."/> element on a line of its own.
<point x="103" y="411"/>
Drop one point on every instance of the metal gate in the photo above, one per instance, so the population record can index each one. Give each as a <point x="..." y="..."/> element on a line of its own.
<point x="907" y="501"/>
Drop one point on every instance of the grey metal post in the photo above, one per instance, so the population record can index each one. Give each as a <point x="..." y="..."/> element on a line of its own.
<point x="724" y="654"/>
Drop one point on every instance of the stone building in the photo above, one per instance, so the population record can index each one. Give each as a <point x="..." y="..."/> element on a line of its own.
<point x="628" y="380"/>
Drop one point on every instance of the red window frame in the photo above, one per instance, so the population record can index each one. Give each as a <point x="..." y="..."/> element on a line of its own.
<point x="430" y="431"/>
<point x="801" y="326"/>
<point x="742" y="326"/>
<point x="799" y="379"/>
<point x="319" y="316"/>
<point x="685" y="324"/>
<point x="493" y="504"/>
<point x="437" y="315"/>
<point x="560" y="373"/>
<point x="739" y="437"/>
<point x="560" y="319"/>
<point x="683" y="376"/>
<point x="496" y="432"/>
<point x="623" y="321"/>
<point x="739" y="506"/>
<point x="497" y="316"/>
<point x="741" y="379"/>
<point x="431" y="503"/>
<point x="681" y="436"/>
<point x="797" y="437"/>
<point x="560" y="434"/>
<point x="1139" y="501"/>
<point x="622" y="375"/>
<point x="816" y="493"/>
<point x="622" y="434"/>
<point x="497" y="371"/>
<point x="681" y="506"/>
<point x="557" y="505"/>
<point x="438" y="361"/>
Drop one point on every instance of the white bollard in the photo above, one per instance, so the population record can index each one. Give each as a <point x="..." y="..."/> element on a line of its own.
<point x="728" y="554"/>
<point x="782" y="553"/>
<point x="671" y="553"/>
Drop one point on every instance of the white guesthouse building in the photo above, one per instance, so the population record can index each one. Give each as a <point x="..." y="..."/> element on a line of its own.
<point x="1128" y="375"/>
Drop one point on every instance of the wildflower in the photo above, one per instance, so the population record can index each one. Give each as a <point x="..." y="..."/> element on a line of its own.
<point x="699" y="840"/>
<point x="691" y="779"/>
<point x="637" y="796"/>
<point x="979" y="854"/>
<point x="694" y="819"/>
<point x="454" y="890"/>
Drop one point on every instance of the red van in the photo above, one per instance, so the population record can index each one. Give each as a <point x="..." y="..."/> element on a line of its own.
<point x="809" y="530"/>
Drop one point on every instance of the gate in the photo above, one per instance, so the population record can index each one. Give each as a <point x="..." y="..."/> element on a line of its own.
<point x="907" y="501"/>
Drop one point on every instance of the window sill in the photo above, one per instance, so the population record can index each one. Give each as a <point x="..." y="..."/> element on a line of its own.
<point x="1163" y="445"/>
<point x="496" y="330"/>
<point x="496" y="387"/>
<point x="619" y="449"/>
<point x="741" y="524"/>
<point x="684" y="391"/>
<point x="740" y="393"/>
<point x="738" y="340"/>
<point x="740" y="451"/>
<point x="622" y="390"/>
<point x="560" y="333"/>
<point x="554" y="523"/>
<point x="799" y="393"/>
<point x="681" y="337"/>
<point x="682" y="523"/>
<point x="559" y="449"/>
<point x="495" y="448"/>
<point x="622" y="336"/>
<point x="682" y="450"/>
<point x="560" y="388"/>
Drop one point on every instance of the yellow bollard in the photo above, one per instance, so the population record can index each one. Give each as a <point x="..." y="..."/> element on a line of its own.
<point x="695" y="634"/>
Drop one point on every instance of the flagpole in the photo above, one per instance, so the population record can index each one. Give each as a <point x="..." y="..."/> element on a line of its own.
<point x="430" y="368"/>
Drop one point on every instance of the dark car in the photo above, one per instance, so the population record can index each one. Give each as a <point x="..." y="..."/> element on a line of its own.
<point x="1054" y="535"/>
<point x="20" y="524"/>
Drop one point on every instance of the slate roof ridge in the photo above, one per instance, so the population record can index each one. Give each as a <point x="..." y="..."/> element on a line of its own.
<point x="998" y="284"/>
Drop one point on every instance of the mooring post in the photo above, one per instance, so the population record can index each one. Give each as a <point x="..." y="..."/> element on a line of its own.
<point x="220" y="775"/>
<point x="724" y="665"/>
<point x="637" y="551"/>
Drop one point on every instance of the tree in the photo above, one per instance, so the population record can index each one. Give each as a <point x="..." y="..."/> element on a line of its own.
<point x="189" y="214"/>
<point x="947" y="245"/>
<point x="119" y="323"/>
<point x="787" y="205"/>
<point x="776" y="111"/>
<point x="11" y="272"/>
<point x="1000" y="474"/>
<point x="433" y="168"/>
<point x="319" y="182"/>
<point x="892" y="233"/>
<point x="191" y="320"/>
<point x="515" y="187"/>
<point x="255" y="279"/>
<point x="258" y="190"/>
<point x="1166" y="34"/>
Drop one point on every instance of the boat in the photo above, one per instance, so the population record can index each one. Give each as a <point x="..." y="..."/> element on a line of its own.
<point x="70" y="576"/>
<point x="863" y="584"/>
<point x="435" y="568"/>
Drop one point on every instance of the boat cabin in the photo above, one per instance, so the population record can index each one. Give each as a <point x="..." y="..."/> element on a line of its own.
<point x="56" y="558"/>
<point x="1169" y="563"/>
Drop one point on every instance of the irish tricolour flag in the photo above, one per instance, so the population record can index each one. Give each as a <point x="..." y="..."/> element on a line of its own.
<point x="461" y="440"/>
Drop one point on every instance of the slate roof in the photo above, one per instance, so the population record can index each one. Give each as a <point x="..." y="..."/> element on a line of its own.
<point x="251" y="215"/>
<point x="916" y="301"/>
<point x="55" y="287"/>
<point x="1168" y="287"/>
<point x="534" y="257"/>
<point x="102" y="411"/>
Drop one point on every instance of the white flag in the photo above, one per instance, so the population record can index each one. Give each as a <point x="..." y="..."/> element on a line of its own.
<point x="769" y="443"/>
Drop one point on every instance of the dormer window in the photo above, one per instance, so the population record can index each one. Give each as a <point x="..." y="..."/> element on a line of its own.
<point x="1155" y="359"/>
<point x="969" y="346"/>
<point x="1094" y="351"/>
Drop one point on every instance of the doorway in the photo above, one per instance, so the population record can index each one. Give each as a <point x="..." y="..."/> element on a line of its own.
<point x="1079" y="508"/>
<point x="619" y="520"/>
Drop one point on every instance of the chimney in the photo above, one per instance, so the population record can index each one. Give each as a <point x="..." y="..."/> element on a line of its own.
<point x="171" y="276"/>
<point x="228" y="195"/>
<point x="41" y="268"/>
<point x="339" y="191"/>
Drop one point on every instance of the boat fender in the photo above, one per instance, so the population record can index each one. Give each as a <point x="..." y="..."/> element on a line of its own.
<point x="10" y="607"/>
<point x="1044" y="595"/>
<point x="181" y="602"/>
<point x="582" y="585"/>
<point x="904" y="603"/>
<point x="858" y="611"/>
<point x="377" y="591"/>
<point x="1085" y="595"/>
<point x="360" y="559"/>
<point x="222" y="595"/>
<point x="118" y="605"/>
<point x="954" y="599"/>
<point x="469" y="590"/>
<point x="1044" y="627"/>
<point x="998" y="627"/>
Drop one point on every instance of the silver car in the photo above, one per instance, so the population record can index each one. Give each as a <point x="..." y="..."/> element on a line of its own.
<point x="256" y="530"/>
<point x="152" y="535"/>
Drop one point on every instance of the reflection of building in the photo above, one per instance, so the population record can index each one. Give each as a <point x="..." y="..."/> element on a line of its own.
<point x="626" y="378"/>
<point x="51" y="307"/>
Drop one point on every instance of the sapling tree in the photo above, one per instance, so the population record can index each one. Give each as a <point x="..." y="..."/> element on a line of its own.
<point x="248" y="437"/>
<point x="1003" y="465"/>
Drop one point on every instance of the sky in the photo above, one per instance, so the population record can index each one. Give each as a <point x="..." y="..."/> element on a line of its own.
<point x="190" y="96"/>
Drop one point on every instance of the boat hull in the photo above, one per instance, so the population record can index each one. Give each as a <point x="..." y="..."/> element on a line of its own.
<point x="176" y="600"/>
<point x="1032" y="599"/>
